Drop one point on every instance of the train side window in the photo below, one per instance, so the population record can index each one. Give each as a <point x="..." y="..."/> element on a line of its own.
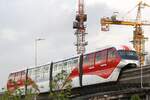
<point x="75" y="62"/>
<point x="88" y="60"/>
<point x="17" y="76"/>
<point x="65" y="65"/>
<point x="12" y="76"/>
<point x="91" y="59"/>
<point x="31" y="74"/>
<point x="111" y="53"/>
<point x="45" y="71"/>
<point x="23" y="75"/>
<point x="98" y="56"/>
<point x="55" y="67"/>
<point x="60" y="66"/>
<point x="37" y="74"/>
<point x="69" y="64"/>
<point x="101" y="56"/>
<point x="85" y="60"/>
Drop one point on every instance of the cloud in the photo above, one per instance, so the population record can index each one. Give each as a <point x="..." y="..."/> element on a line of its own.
<point x="23" y="21"/>
<point x="8" y="34"/>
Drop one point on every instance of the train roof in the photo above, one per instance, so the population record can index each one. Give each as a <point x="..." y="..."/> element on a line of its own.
<point x="118" y="47"/>
<point x="123" y="47"/>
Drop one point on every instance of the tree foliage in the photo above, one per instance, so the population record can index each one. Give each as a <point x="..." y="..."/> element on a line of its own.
<point x="18" y="94"/>
<point x="61" y="87"/>
<point x="135" y="97"/>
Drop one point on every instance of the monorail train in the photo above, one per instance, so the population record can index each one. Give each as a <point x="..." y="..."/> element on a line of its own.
<point x="97" y="67"/>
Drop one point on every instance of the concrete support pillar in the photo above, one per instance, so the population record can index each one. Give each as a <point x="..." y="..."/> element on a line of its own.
<point x="35" y="97"/>
<point x="147" y="96"/>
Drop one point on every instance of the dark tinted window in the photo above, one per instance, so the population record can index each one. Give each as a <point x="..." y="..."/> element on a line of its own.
<point x="128" y="54"/>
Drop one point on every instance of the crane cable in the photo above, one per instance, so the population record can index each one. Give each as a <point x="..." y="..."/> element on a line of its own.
<point x="125" y="15"/>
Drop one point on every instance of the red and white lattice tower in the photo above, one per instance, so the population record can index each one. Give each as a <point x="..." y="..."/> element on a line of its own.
<point x="79" y="25"/>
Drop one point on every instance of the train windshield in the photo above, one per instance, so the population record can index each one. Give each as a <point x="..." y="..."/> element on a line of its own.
<point x="128" y="54"/>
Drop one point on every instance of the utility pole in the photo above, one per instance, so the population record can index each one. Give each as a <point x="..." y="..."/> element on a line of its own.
<point x="36" y="55"/>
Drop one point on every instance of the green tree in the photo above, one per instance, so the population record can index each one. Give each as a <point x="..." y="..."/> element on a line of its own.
<point x="5" y="94"/>
<point x="32" y="92"/>
<point x="18" y="94"/>
<point x="61" y="87"/>
<point x="135" y="97"/>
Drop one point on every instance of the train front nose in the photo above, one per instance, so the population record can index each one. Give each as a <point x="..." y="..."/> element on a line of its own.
<point x="129" y="63"/>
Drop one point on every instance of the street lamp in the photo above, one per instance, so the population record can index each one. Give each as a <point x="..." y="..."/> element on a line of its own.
<point x="36" y="57"/>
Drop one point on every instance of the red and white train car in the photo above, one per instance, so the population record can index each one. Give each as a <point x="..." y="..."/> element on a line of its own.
<point x="97" y="67"/>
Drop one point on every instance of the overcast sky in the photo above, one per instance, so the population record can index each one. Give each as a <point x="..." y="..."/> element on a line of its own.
<point x="22" y="21"/>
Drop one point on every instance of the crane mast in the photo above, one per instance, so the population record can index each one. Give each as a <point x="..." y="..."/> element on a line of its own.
<point x="138" y="37"/>
<point x="138" y="34"/>
<point x="79" y="25"/>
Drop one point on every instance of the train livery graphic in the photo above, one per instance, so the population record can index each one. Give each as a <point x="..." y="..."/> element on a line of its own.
<point x="101" y="66"/>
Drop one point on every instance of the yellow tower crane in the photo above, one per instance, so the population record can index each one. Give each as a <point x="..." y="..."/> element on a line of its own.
<point x="138" y="34"/>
